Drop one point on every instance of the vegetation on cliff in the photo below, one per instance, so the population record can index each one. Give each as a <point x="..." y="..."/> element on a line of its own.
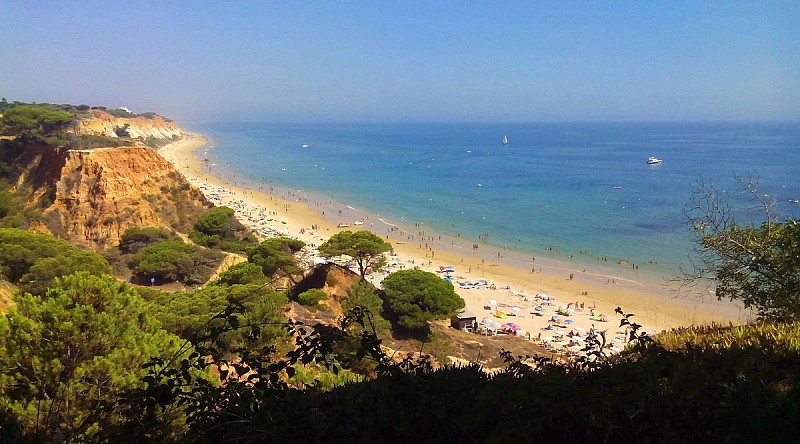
<point x="190" y="314"/>
<point x="32" y="261"/>
<point x="53" y="124"/>
<point x="416" y="297"/>
<point x="363" y="246"/>
<point x="219" y="228"/>
<point x="276" y="256"/>
<point x="42" y="123"/>
<point x="174" y="260"/>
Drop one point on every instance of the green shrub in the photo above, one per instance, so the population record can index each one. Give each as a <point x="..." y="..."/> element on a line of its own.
<point x="276" y="255"/>
<point x="220" y="229"/>
<point x="187" y="314"/>
<point x="33" y="260"/>
<point x="134" y="239"/>
<point x="35" y="122"/>
<point x="6" y="203"/>
<point x="173" y="260"/>
<point x="312" y="297"/>
<point x="242" y="273"/>
<point x="417" y="296"/>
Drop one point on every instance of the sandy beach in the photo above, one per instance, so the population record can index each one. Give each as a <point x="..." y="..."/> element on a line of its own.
<point x="491" y="284"/>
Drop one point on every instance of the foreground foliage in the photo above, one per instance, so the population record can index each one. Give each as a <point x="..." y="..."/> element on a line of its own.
<point x="705" y="390"/>
<point x="755" y="260"/>
<point x="648" y="394"/>
<point x="67" y="354"/>
<point x="189" y="314"/>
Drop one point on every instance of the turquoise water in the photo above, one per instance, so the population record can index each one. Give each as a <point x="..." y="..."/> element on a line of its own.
<point x="553" y="185"/>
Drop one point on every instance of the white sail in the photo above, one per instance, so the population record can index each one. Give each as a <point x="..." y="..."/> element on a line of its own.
<point x="505" y="139"/>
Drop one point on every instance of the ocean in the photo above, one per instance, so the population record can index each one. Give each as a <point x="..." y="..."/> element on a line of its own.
<point x="578" y="192"/>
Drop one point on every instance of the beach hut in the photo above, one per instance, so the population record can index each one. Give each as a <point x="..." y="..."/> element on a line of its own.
<point x="464" y="320"/>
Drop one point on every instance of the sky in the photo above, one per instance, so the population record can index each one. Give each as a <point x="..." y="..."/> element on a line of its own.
<point x="409" y="61"/>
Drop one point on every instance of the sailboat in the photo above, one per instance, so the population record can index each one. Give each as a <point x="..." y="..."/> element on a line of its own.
<point x="505" y="139"/>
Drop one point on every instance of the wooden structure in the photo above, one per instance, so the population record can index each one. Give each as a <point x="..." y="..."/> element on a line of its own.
<point x="464" y="320"/>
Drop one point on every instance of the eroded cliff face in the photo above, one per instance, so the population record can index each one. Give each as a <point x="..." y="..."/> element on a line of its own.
<point x="98" y="194"/>
<point x="104" y="124"/>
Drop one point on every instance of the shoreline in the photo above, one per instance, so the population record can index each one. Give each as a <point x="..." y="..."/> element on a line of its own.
<point x="295" y="212"/>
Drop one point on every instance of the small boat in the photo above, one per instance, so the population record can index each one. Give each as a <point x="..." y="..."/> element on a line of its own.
<point x="794" y="200"/>
<point x="305" y="145"/>
<point x="343" y="225"/>
<point x="617" y="187"/>
<point x="480" y="185"/>
<point x="358" y="222"/>
<point x="505" y="139"/>
<point x="653" y="160"/>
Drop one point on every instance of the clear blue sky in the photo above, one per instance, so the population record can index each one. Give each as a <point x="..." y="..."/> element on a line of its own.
<point x="456" y="60"/>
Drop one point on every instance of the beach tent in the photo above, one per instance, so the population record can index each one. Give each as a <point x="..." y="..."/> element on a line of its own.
<point x="511" y="328"/>
<point x="489" y="325"/>
<point x="489" y="322"/>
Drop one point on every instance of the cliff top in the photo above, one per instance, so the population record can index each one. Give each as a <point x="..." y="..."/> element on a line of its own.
<point x="82" y="126"/>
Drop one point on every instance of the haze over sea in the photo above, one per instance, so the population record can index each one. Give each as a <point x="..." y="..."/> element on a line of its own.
<point x="553" y="185"/>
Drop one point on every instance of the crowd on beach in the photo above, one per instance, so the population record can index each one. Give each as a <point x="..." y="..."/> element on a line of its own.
<point x="529" y="311"/>
<point x="560" y="328"/>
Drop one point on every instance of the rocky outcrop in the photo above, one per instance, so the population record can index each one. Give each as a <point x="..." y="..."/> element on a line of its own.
<point x="98" y="194"/>
<point x="102" y="123"/>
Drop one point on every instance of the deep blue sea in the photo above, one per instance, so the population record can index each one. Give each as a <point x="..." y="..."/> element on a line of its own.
<point x="553" y="184"/>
